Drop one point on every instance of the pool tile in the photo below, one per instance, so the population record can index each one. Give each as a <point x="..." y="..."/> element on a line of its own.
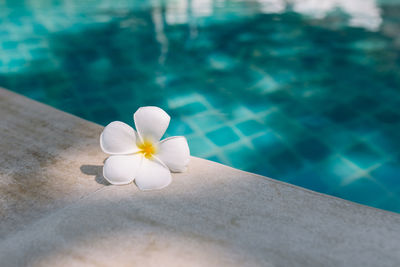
<point x="179" y="127"/>
<point x="36" y="94"/>
<point x="315" y="122"/>
<point x="265" y="86"/>
<point x="39" y="53"/>
<point x="178" y="100"/>
<point x="364" y="103"/>
<point x="310" y="179"/>
<point x="288" y="129"/>
<point x="259" y="106"/>
<point x="8" y="45"/>
<point x="312" y="149"/>
<point x="388" y="116"/>
<point x="362" y="190"/>
<point x="208" y="121"/>
<point x="190" y="109"/>
<point x="217" y="101"/>
<point x="363" y="155"/>
<point x="388" y="174"/>
<point x="386" y="141"/>
<point x="390" y="203"/>
<point x="268" y="144"/>
<point x="296" y="110"/>
<point x="92" y="100"/>
<point x="221" y="61"/>
<point x="242" y="157"/>
<point x="223" y="136"/>
<point x="251" y="127"/>
<point x="369" y="45"/>
<point x="267" y="170"/>
<point x="283" y="76"/>
<point x="200" y="146"/>
<point x="214" y="158"/>
<point x="336" y="170"/>
<point x="338" y="139"/>
<point x="39" y="29"/>
<point x="274" y="118"/>
<point x="16" y="63"/>
<point x="341" y="114"/>
<point x="291" y="132"/>
<point x="286" y="163"/>
<point x="280" y="97"/>
<point x="362" y="127"/>
<point x="240" y="113"/>
<point x="106" y="113"/>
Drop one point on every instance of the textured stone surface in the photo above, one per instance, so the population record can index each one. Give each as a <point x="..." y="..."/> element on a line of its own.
<point x="56" y="209"/>
<point x="41" y="160"/>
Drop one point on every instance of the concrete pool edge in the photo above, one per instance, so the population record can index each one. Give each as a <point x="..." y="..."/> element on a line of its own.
<point x="51" y="173"/>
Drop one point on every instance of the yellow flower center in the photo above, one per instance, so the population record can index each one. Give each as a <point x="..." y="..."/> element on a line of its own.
<point x="147" y="149"/>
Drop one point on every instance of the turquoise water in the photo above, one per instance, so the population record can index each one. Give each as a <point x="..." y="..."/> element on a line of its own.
<point x="302" y="93"/>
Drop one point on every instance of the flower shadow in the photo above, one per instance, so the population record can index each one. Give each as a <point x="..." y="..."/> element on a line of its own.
<point x="97" y="171"/>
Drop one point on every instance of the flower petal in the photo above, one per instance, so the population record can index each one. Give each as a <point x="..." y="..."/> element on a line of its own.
<point x="152" y="175"/>
<point x="121" y="169"/>
<point x="151" y="123"/>
<point x="118" y="138"/>
<point x="174" y="152"/>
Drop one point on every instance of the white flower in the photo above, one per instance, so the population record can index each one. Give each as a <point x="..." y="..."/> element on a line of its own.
<point x="141" y="156"/>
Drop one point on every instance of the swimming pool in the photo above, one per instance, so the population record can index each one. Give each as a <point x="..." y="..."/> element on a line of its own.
<point x="303" y="93"/>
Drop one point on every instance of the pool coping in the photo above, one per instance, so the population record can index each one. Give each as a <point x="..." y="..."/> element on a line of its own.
<point x="50" y="175"/>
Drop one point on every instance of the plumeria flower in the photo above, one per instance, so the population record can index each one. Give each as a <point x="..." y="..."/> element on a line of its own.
<point x="141" y="156"/>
